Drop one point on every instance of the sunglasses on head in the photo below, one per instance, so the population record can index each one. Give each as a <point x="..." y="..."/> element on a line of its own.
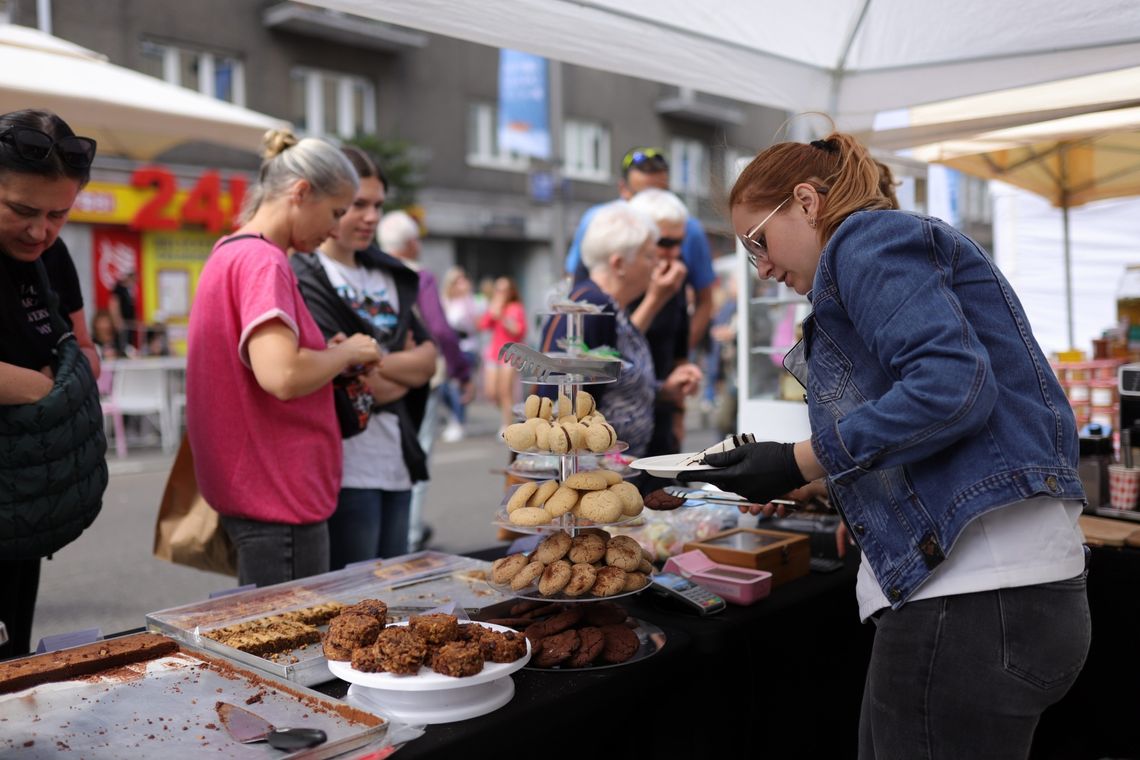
<point x="641" y="156"/>
<point x="33" y="145"/>
<point x="668" y="242"/>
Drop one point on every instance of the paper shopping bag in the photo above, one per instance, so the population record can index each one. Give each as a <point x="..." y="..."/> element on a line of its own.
<point x="188" y="530"/>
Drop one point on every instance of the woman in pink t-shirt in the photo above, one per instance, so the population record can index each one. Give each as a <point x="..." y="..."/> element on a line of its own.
<point x="506" y="319"/>
<point x="259" y="408"/>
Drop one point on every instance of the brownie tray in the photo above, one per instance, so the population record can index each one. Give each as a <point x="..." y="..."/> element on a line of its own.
<point x="164" y="706"/>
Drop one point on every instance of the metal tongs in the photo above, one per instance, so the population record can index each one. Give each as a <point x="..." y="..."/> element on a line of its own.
<point x="531" y="363"/>
<point x="728" y="444"/>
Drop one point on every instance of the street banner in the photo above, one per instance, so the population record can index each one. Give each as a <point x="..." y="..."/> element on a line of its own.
<point x="524" y="122"/>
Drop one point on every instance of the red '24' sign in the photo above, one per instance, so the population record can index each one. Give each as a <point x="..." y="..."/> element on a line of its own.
<point x="202" y="206"/>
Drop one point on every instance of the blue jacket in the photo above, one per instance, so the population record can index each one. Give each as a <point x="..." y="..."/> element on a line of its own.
<point x="930" y="401"/>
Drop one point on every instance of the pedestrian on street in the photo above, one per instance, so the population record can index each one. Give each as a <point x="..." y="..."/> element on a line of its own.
<point x="259" y="373"/>
<point x="53" y="471"/>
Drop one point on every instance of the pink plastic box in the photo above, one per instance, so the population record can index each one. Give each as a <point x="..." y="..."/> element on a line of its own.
<point x="739" y="585"/>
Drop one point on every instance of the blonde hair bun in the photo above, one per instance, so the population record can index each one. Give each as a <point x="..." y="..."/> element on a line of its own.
<point x="276" y="142"/>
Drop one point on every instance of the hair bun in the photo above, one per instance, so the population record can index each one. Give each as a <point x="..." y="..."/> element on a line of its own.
<point x="276" y="142"/>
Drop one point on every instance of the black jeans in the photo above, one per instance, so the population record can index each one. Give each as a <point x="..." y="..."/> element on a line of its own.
<point x="270" y="553"/>
<point x="968" y="676"/>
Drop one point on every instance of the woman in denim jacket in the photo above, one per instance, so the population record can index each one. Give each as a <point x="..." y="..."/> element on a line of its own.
<point x="946" y="442"/>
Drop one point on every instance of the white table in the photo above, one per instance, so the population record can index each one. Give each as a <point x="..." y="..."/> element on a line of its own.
<point x="151" y="385"/>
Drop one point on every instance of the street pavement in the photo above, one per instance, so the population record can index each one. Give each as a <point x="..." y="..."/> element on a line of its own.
<point x="108" y="578"/>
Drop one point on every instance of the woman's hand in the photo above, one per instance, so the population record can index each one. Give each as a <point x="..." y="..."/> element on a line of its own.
<point x="683" y="381"/>
<point x="359" y="350"/>
<point x="759" y="472"/>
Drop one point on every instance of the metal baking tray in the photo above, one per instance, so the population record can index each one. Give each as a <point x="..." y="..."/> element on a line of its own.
<point x="409" y="585"/>
<point x="164" y="707"/>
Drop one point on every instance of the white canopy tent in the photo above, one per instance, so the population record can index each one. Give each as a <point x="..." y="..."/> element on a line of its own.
<point x="129" y="114"/>
<point x="848" y="58"/>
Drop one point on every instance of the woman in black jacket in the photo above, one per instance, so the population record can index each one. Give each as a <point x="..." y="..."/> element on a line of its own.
<point x="351" y="286"/>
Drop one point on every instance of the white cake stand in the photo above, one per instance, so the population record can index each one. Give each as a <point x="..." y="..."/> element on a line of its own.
<point x="431" y="697"/>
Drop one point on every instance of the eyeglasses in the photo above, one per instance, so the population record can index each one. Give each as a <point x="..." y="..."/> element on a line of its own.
<point x="757" y="247"/>
<point x="639" y="157"/>
<point x="668" y="242"/>
<point x="33" y="145"/>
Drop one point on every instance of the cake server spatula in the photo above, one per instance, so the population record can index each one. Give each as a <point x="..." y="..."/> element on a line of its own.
<point x="247" y="727"/>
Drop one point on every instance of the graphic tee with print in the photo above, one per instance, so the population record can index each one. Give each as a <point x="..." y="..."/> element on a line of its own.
<point x="373" y="459"/>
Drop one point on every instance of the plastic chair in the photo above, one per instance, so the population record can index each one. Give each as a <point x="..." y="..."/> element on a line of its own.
<point x="111" y="409"/>
<point x="144" y="392"/>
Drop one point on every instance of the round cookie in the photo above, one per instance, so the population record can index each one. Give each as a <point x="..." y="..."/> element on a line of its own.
<point x="565" y="407"/>
<point x="556" y="649"/>
<point x="621" y="643"/>
<point x="532" y="406"/>
<point x="561" y="501"/>
<point x="533" y="423"/>
<point x="521" y="496"/>
<point x="612" y="478"/>
<point x="578" y="433"/>
<point x="609" y="581"/>
<point x="560" y="439"/>
<point x="554" y="577"/>
<point x="587" y="548"/>
<point x="545" y="408"/>
<point x="584" y="404"/>
<point x="519" y="436"/>
<point x="631" y="502"/>
<point x="529" y="575"/>
<point x="545" y="490"/>
<point x="599" y="438"/>
<point x="506" y="568"/>
<point x="552" y="548"/>
<point x="582" y="578"/>
<point x="600" y="507"/>
<point x="605" y="534"/>
<point x="530" y="516"/>
<point x="645" y="566"/>
<point x="623" y="552"/>
<point x="586" y="481"/>
<point x="591" y="643"/>
<point x="542" y="434"/>
<point x="635" y="581"/>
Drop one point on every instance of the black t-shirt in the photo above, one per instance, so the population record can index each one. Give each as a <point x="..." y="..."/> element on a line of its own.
<point x="668" y="333"/>
<point x="126" y="301"/>
<point x="27" y="334"/>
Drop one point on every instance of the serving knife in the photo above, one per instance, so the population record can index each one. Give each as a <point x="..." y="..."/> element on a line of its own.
<point x="721" y="497"/>
<point x="247" y="727"/>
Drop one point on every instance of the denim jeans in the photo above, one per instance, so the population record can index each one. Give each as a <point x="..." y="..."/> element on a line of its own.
<point x="968" y="676"/>
<point x="368" y="523"/>
<point x="269" y="553"/>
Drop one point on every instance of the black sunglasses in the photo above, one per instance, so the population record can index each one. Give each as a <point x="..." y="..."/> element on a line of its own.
<point x="33" y="145"/>
<point x="668" y="242"/>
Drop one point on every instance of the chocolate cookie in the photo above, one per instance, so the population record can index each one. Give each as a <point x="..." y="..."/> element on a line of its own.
<point x="590" y="645"/>
<point x="557" y="649"/>
<point x="621" y="643"/>
<point x="605" y="613"/>
<point x="661" y="501"/>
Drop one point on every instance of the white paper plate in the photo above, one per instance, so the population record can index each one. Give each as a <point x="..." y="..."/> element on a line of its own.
<point x="668" y="465"/>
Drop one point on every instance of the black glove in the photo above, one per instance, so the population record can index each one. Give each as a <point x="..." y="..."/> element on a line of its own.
<point x="759" y="472"/>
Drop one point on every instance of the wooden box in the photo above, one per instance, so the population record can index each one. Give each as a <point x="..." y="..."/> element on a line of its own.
<point x="785" y="555"/>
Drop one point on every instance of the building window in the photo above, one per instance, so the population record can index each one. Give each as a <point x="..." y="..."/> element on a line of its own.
<point x="218" y="75"/>
<point x="483" y="141"/>
<point x="586" y="146"/>
<point x="689" y="168"/>
<point x="324" y="103"/>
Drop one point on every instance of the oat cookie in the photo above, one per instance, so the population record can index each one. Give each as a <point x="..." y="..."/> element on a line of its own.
<point x="609" y="581"/>
<point x="545" y="490"/>
<point x="612" y="478"/>
<point x="528" y="575"/>
<point x="587" y="548"/>
<point x="582" y="576"/>
<point x="521" y="496"/>
<point x="635" y="581"/>
<point x="530" y="516"/>
<point x="631" y="502"/>
<point x="561" y="501"/>
<point x="552" y="548"/>
<point x="586" y="481"/>
<point x="600" y="506"/>
<point x="554" y="577"/>
<point x="623" y="552"/>
<point x="505" y="568"/>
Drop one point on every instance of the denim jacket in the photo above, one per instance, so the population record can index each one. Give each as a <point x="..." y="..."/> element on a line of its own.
<point x="930" y="401"/>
